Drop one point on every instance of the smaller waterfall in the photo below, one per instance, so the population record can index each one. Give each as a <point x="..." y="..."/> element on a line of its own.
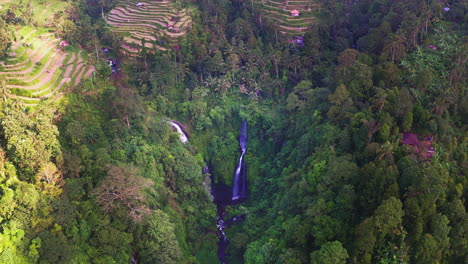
<point x="206" y="169"/>
<point x="183" y="137"/>
<point x="207" y="181"/>
<point x="223" y="240"/>
<point x="239" y="188"/>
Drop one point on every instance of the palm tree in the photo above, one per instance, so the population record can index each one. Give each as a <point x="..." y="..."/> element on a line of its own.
<point x="397" y="46"/>
<point x="372" y="127"/>
<point x="385" y="152"/>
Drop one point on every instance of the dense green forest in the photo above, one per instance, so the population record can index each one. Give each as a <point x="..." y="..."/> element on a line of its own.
<point x="357" y="148"/>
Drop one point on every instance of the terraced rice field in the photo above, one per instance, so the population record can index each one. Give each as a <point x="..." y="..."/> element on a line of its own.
<point x="43" y="10"/>
<point x="278" y="12"/>
<point x="159" y="24"/>
<point x="37" y="68"/>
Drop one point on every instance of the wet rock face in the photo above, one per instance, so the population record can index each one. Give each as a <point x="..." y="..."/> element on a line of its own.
<point x="239" y="186"/>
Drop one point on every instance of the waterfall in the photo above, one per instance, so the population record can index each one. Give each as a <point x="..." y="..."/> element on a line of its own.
<point x="223" y="196"/>
<point x="183" y="137"/>
<point x="239" y="187"/>
<point x="206" y="169"/>
<point x="207" y="181"/>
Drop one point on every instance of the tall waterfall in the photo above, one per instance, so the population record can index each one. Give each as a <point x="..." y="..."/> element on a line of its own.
<point x="239" y="188"/>
<point x="225" y="196"/>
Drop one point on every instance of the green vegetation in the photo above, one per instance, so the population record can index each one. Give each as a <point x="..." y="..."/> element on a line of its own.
<point x="357" y="141"/>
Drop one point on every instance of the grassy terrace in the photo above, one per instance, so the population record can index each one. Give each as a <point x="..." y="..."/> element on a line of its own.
<point x="37" y="68"/>
<point x="279" y="13"/>
<point x="151" y="22"/>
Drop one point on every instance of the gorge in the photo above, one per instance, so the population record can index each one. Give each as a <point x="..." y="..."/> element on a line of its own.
<point x="224" y="196"/>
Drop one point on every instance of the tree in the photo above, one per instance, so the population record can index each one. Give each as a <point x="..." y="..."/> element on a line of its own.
<point x="5" y="37"/>
<point x="342" y="104"/>
<point x="387" y="217"/>
<point x="440" y="230"/>
<point x="31" y="138"/>
<point x="365" y="240"/>
<point x="396" y="47"/>
<point x="258" y="253"/>
<point x="356" y="75"/>
<point x="28" y="13"/>
<point x="159" y="243"/>
<point x="11" y="239"/>
<point x="426" y="250"/>
<point x="50" y="178"/>
<point x="122" y="187"/>
<point x="299" y="98"/>
<point x="329" y="253"/>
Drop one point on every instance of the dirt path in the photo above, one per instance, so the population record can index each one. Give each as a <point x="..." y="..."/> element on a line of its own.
<point x="80" y="74"/>
<point x="72" y="58"/>
<point x="299" y="29"/>
<point x="88" y="73"/>
<point x="129" y="22"/>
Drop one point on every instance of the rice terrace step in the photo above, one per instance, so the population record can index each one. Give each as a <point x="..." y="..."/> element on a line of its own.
<point x="37" y="67"/>
<point x="159" y="24"/>
<point x="291" y="18"/>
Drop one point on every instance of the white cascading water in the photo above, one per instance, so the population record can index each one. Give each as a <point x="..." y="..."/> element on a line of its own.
<point x="239" y="188"/>
<point x="235" y="187"/>
<point x="223" y="196"/>
<point x="183" y="137"/>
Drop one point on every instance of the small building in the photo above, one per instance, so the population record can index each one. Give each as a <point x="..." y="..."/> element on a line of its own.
<point x="410" y="139"/>
<point x="139" y="4"/>
<point x="422" y="149"/>
<point x="299" y="41"/>
<point x="294" y="13"/>
<point x="64" y="43"/>
<point x="113" y="65"/>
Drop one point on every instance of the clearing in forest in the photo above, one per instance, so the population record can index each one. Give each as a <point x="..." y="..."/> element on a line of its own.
<point x="37" y="67"/>
<point x="154" y="24"/>
<point x="42" y="11"/>
<point x="39" y="64"/>
<point x="290" y="18"/>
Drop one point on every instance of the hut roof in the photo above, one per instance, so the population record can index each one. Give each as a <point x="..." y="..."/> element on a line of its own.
<point x="64" y="43"/>
<point x="410" y="139"/>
